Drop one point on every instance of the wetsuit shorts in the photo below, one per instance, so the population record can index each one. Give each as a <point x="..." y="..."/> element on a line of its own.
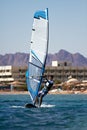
<point x="43" y="92"/>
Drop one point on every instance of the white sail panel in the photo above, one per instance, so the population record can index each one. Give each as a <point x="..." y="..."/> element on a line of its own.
<point x="39" y="38"/>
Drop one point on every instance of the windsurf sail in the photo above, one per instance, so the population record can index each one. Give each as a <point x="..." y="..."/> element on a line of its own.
<point x="38" y="52"/>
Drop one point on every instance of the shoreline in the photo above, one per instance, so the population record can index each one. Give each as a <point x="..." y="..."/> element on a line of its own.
<point x="50" y="92"/>
<point x="13" y="92"/>
<point x="68" y="92"/>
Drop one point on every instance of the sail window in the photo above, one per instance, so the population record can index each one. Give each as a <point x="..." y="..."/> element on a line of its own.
<point x="33" y="29"/>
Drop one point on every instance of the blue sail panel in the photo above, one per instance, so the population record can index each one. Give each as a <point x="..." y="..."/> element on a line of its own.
<point x="34" y="76"/>
<point x="42" y="14"/>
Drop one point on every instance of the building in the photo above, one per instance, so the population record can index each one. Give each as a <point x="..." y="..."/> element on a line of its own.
<point x="11" y="73"/>
<point x="19" y="73"/>
<point x="12" y="78"/>
<point x="61" y="63"/>
<point x="6" y="74"/>
<point x="61" y="71"/>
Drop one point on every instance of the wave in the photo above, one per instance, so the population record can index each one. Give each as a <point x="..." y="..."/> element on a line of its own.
<point x="42" y="106"/>
<point x="47" y="105"/>
<point x="17" y="106"/>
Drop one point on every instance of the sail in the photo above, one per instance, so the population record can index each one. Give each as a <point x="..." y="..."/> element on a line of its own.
<point x="38" y="52"/>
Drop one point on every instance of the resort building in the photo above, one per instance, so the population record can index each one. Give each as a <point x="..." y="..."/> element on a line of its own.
<point x="62" y="73"/>
<point x="60" y="70"/>
<point x="12" y="78"/>
<point x="6" y="74"/>
<point x="11" y="73"/>
<point x="19" y="73"/>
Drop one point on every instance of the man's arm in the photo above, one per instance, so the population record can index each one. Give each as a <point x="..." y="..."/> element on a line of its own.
<point x="44" y="80"/>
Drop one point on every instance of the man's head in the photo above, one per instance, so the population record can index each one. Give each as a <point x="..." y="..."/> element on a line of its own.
<point x="51" y="77"/>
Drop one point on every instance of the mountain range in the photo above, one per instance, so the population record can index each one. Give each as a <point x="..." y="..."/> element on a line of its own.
<point x="21" y="59"/>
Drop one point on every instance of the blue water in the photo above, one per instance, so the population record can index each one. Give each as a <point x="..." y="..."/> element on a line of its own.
<point x="58" y="112"/>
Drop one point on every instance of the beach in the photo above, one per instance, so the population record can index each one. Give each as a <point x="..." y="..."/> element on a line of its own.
<point x="54" y="91"/>
<point x="14" y="92"/>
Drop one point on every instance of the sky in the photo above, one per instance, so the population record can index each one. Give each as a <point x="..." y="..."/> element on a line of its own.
<point x="67" y="25"/>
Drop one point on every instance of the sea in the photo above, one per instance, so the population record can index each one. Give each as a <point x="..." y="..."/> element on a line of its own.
<point x="57" y="112"/>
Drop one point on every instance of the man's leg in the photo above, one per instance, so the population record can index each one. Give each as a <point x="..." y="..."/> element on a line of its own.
<point x="36" y="101"/>
<point x="40" y="101"/>
<point x="37" y="98"/>
<point x="41" y="97"/>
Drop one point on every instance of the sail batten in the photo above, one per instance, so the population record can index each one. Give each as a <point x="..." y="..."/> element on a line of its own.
<point x="38" y="52"/>
<point x="35" y="65"/>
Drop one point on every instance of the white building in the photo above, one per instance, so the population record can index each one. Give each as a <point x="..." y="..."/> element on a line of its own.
<point x="54" y="63"/>
<point x="60" y="63"/>
<point x="6" y="73"/>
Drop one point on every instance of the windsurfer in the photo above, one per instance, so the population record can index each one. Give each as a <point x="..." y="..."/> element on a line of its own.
<point x="48" y="85"/>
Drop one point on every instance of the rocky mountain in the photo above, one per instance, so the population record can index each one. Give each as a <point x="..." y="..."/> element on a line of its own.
<point x="21" y="59"/>
<point x="76" y="59"/>
<point x="17" y="59"/>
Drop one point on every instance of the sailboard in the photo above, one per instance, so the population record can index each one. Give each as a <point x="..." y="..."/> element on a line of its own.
<point x="38" y="52"/>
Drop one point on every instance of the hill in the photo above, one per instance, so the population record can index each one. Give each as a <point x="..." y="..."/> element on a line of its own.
<point x="21" y="59"/>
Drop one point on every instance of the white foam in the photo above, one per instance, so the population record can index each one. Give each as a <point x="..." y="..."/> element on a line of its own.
<point x="17" y="106"/>
<point x="42" y="106"/>
<point x="47" y="105"/>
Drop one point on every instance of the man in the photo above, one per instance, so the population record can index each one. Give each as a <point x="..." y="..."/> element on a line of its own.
<point x="48" y="85"/>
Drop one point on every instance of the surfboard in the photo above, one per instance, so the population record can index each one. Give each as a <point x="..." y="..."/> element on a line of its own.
<point x="28" y="105"/>
<point x="38" y="53"/>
